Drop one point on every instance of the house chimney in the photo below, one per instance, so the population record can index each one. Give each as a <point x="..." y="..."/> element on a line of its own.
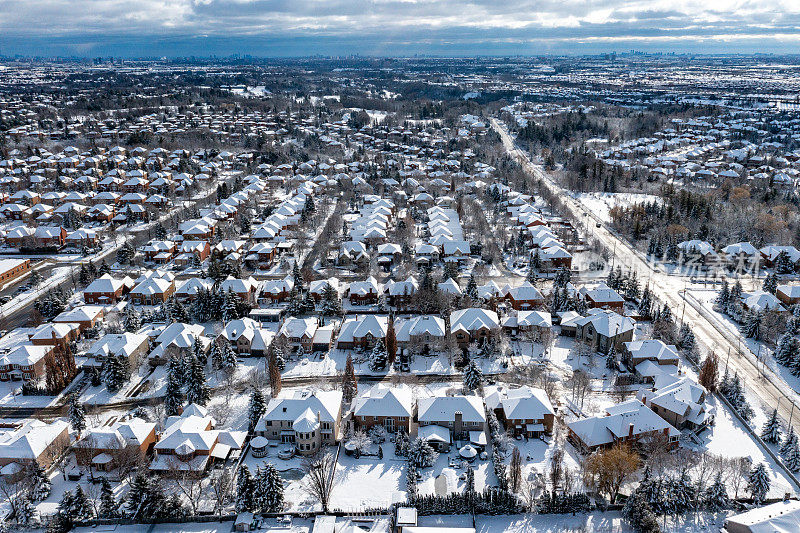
<point x="630" y="430"/>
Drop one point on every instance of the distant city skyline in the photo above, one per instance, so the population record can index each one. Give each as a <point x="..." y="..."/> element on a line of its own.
<point x="282" y="28"/>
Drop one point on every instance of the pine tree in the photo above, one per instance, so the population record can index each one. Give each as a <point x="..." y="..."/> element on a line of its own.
<point x="274" y="377"/>
<point x="109" y="508"/>
<point x="683" y="493"/>
<point x="420" y="453"/>
<point x="391" y="342"/>
<point x="377" y="360"/>
<point x="331" y="304"/>
<point x="724" y="296"/>
<point x="772" y="429"/>
<point x="752" y="327"/>
<point x="256" y="409"/>
<point x="715" y="498"/>
<point x="412" y="481"/>
<point x="792" y="457"/>
<point x="686" y="340"/>
<point x="228" y="360"/>
<point x="473" y="377"/>
<point x="115" y="372"/>
<point x="39" y="484"/>
<point x="81" y="506"/>
<point x="787" y="351"/>
<point x="349" y="382"/>
<point x="132" y="321"/>
<point x="472" y="288"/>
<point x="470" y="481"/>
<point x="401" y="443"/>
<point x="229" y="310"/>
<point x="26" y="512"/>
<point x="646" y="303"/>
<point x="297" y="277"/>
<point x="758" y="483"/>
<point x="77" y="414"/>
<point x="269" y="490"/>
<point x="788" y="442"/>
<point x="611" y="358"/>
<point x="245" y="490"/>
<point x="173" y="396"/>
<point x="770" y="284"/>
<point x="196" y="389"/>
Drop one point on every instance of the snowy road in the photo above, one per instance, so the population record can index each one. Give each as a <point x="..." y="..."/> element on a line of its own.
<point x="762" y="383"/>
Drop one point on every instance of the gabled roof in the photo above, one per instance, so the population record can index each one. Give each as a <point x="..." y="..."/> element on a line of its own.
<point x="444" y="409"/>
<point x="384" y="401"/>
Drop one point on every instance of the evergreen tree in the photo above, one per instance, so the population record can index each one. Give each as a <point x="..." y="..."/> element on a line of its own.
<point x="257" y="408"/>
<point x="686" y="340"/>
<point x="391" y="342"/>
<point x="724" y="296"/>
<point x="228" y="359"/>
<point x="215" y="354"/>
<point x="132" y="320"/>
<point x="196" y="389"/>
<point x="331" y="304"/>
<point x="792" y="458"/>
<point x="470" y="481"/>
<point x="269" y="490"/>
<point x="297" y="277"/>
<point x="378" y="357"/>
<point x="173" y="396"/>
<point x="472" y="288"/>
<point x="77" y="414"/>
<point x="752" y="327"/>
<point x="229" y="309"/>
<point x="115" y="372"/>
<point x="788" y="442"/>
<point x="39" y="484"/>
<point x="646" y="303"/>
<point x="420" y="453"/>
<point x="81" y="506"/>
<point x="715" y="498"/>
<point x="245" y="488"/>
<point x="758" y="483"/>
<point x="473" y="377"/>
<point x="787" y="351"/>
<point x="109" y="508"/>
<point x="413" y="478"/>
<point x="401" y="443"/>
<point x="770" y="284"/>
<point x="349" y="382"/>
<point x="772" y="429"/>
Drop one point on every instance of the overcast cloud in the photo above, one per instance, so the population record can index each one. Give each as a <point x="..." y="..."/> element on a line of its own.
<point x="394" y="27"/>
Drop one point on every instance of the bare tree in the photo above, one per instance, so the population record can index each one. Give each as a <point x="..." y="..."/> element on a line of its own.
<point x="188" y="482"/>
<point x="556" y="468"/>
<point x="319" y="476"/>
<point x="222" y="488"/>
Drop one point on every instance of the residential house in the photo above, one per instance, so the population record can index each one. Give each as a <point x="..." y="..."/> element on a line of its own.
<point x="627" y="422"/>
<point x="473" y="325"/>
<point x="308" y="420"/>
<point x="523" y="411"/>
<point x="384" y="406"/>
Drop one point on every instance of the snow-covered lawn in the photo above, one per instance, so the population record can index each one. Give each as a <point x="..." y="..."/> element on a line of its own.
<point x="368" y="482"/>
<point x="728" y="438"/>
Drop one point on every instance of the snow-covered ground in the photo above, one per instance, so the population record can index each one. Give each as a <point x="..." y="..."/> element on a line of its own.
<point x="600" y="203"/>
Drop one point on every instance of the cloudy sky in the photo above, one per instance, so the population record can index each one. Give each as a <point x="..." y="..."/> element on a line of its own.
<point x="394" y="27"/>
